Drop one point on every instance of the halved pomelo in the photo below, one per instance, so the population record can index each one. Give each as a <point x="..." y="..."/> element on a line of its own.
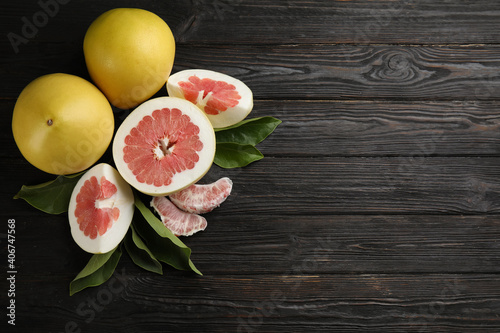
<point x="100" y="209"/>
<point x="166" y="144"/>
<point x="201" y="199"/>
<point x="225" y="99"/>
<point x="179" y="222"/>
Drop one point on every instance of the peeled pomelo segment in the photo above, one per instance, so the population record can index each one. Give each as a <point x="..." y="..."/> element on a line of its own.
<point x="100" y="209"/>
<point x="166" y="144"/>
<point x="225" y="99"/>
<point x="201" y="199"/>
<point x="179" y="222"/>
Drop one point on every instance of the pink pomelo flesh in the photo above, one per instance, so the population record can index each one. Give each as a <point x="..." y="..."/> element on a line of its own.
<point x="101" y="209"/>
<point x="179" y="222"/>
<point x="201" y="199"/>
<point x="216" y="96"/>
<point x="92" y="219"/>
<point x="166" y="144"/>
<point x="162" y="145"/>
<point x="224" y="99"/>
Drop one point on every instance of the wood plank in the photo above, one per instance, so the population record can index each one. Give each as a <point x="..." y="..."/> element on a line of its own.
<point x="358" y="185"/>
<point x="414" y="185"/>
<point x="463" y="73"/>
<point x="347" y="244"/>
<point x="271" y="22"/>
<point x="248" y="243"/>
<point x="381" y="128"/>
<point x="360" y="21"/>
<point x="275" y="303"/>
<point x="361" y="128"/>
<point x="375" y="208"/>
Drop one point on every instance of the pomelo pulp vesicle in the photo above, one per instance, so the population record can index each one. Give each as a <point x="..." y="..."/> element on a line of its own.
<point x="225" y="99"/>
<point x="101" y="209"/>
<point x="203" y="198"/>
<point x="181" y="223"/>
<point x="166" y="144"/>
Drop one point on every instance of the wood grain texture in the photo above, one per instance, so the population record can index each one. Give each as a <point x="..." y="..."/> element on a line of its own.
<point x="375" y="209"/>
<point x="360" y="21"/>
<point x="327" y="71"/>
<point x="251" y="244"/>
<point x="358" y="185"/>
<point x="416" y="185"/>
<point x="381" y="128"/>
<point x="293" y="21"/>
<point x="276" y="303"/>
<point x="333" y="128"/>
<point x="312" y="71"/>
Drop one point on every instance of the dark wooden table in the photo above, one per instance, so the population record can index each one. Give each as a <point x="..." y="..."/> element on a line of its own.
<point x="376" y="208"/>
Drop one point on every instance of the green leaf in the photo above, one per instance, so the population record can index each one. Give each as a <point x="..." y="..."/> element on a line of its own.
<point x="234" y="155"/>
<point x="140" y="253"/>
<point x="51" y="197"/>
<point x="248" y="132"/>
<point x="162" y="243"/>
<point x="98" y="270"/>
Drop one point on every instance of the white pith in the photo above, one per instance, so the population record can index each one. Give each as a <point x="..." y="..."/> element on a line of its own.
<point x="226" y="118"/>
<point x="105" y="203"/>
<point x="200" y="101"/>
<point x="162" y="149"/>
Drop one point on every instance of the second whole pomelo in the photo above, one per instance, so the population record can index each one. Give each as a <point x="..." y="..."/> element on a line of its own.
<point x="129" y="54"/>
<point x="62" y="124"/>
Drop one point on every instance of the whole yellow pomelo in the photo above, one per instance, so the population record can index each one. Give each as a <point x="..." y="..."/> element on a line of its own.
<point x="129" y="54"/>
<point x="62" y="123"/>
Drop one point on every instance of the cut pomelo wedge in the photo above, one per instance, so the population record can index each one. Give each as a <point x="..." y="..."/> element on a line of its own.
<point x="225" y="99"/>
<point x="201" y="199"/>
<point x="166" y="144"/>
<point x="179" y="222"/>
<point x="100" y="209"/>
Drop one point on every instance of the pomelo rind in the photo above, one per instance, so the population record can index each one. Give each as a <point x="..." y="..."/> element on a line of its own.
<point x="179" y="180"/>
<point x="225" y="118"/>
<point x="129" y="53"/>
<point x="123" y="199"/>
<point x="62" y="123"/>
